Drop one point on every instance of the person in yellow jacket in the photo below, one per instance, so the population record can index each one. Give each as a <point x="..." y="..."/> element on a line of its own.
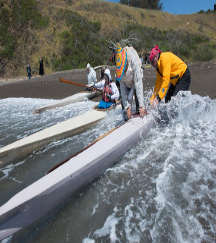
<point x="173" y="75"/>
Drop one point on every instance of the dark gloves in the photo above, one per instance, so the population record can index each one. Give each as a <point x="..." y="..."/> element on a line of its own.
<point x="109" y="97"/>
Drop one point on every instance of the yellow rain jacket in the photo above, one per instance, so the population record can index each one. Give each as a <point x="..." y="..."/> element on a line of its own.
<point x="170" y="69"/>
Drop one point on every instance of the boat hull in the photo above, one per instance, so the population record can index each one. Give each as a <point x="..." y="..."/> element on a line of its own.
<point x="51" y="190"/>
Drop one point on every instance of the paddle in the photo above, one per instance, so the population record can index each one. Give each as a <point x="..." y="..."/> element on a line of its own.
<point x="82" y="85"/>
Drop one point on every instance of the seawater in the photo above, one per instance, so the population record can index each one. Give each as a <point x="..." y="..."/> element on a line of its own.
<point x="162" y="190"/>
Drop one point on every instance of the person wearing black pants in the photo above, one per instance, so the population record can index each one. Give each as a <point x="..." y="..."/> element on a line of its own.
<point x="171" y="71"/>
<point x="182" y="85"/>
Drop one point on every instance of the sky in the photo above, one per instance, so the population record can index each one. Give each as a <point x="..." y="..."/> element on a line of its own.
<point x="185" y="6"/>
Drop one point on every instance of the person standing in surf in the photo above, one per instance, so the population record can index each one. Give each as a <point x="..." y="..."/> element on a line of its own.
<point x="171" y="70"/>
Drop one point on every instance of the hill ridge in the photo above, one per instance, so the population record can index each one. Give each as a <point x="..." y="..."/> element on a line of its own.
<point x="53" y="35"/>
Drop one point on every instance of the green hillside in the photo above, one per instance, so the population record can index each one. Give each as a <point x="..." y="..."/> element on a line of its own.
<point x="68" y="34"/>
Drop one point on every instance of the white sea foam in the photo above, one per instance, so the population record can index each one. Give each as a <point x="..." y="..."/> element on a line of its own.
<point x="162" y="190"/>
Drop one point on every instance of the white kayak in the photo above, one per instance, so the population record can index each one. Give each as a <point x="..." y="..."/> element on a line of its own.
<point x="54" y="188"/>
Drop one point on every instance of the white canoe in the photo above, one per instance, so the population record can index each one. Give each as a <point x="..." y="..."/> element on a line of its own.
<point x="61" y="130"/>
<point x="52" y="189"/>
<point x="79" y="97"/>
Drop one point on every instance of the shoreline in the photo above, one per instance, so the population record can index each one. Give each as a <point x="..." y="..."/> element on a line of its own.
<point x="203" y="82"/>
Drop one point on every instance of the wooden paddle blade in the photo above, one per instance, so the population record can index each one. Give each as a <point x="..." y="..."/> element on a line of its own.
<point x="78" y="84"/>
<point x="72" y="82"/>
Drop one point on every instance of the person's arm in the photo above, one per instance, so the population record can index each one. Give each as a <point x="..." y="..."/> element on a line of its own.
<point x="100" y="84"/>
<point x="162" y="82"/>
<point x="166" y="67"/>
<point x="115" y="92"/>
<point x="156" y="87"/>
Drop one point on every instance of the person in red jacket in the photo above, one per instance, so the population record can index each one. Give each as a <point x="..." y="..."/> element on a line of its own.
<point x="173" y="75"/>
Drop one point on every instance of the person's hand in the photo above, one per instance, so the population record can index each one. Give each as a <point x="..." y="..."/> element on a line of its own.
<point x="155" y="102"/>
<point x="94" y="90"/>
<point x="142" y="112"/>
<point x="145" y="111"/>
<point x="128" y="113"/>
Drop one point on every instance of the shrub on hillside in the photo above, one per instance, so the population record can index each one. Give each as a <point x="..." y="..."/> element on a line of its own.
<point x="15" y="20"/>
<point x="97" y="25"/>
<point x="181" y="44"/>
<point x="6" y="39"/>
<point x="67" y="66"/>
<point x="64" y="34"/>
<point x="209" y="11"/>
<point x="42" y="22"/>
<point x="204" y="53"/>
<point x="86" y="44"/>
<point x="201" y="11"/>
<point x="82" y="44"/>
<point x="26" y="12"/>
<point x="198" y="39"/>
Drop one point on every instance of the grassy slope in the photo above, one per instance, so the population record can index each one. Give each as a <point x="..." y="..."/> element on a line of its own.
<point x="46" y="42"/>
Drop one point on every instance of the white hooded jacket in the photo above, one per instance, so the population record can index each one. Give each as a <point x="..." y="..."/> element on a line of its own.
<point x="91" y="76"/>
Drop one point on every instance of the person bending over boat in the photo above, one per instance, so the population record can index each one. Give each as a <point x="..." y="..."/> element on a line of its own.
<point x="171" y="70"/>
<point x="110" y="91"/>
<point x="129" y="73"/>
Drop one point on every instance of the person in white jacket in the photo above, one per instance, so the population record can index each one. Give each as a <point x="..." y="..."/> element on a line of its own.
<point x="91" y="75"/>
<point x="129" y="73"/>
<point x="110" y="91"/>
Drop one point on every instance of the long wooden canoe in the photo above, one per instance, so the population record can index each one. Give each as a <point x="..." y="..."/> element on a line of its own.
<point x="52" y="189"/>
<point x="61" y="130"/>
<point x="56" y="132"/>
<point x="69" y="100"/>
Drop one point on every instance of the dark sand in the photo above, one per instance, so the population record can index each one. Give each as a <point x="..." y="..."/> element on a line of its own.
<point x="203" y="82"/>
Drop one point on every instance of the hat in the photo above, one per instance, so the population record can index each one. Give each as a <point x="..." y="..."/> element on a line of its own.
<point x="107" y="73"/>
<point x="88" y="65"/>
<point x="154" y="52"/>
<point x="121" y="60"/>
